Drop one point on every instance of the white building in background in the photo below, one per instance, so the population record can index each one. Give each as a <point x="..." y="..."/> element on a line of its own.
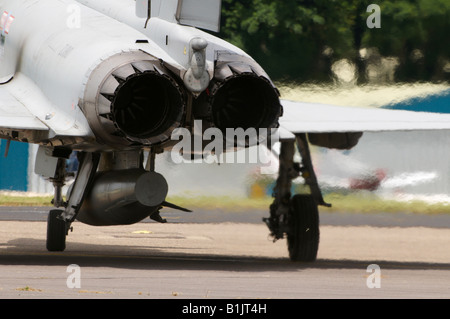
<point x="415" y="164"/>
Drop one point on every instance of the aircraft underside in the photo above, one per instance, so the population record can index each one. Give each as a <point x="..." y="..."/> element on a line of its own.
<point x="117" y="188"/>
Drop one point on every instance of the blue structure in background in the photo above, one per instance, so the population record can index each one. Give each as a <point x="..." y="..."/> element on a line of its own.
<point x="438" y="103"/>
<point x="14" y="168"/>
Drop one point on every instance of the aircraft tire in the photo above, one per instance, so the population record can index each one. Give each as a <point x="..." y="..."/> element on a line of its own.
<point x="303" y="236"/>
<point x="56" y="231"/>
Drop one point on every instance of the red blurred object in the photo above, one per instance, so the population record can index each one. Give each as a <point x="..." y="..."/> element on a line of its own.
<point x="370" y="183"/>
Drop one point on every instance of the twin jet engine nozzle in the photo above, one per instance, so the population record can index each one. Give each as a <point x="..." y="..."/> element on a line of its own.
<point x="132" y="99"/>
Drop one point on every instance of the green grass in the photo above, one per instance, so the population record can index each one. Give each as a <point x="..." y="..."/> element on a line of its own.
<point x="370" y="203"/>
<point x="352" y="203"/>
<point x="22" y="200"/>
<point x="221" y="202"/>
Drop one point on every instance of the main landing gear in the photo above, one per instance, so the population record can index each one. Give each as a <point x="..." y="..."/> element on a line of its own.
<point x="59" y="221"/>
<point x="296" y="216"/>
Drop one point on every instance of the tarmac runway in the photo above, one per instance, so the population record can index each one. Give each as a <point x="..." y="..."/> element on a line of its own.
<point x="219" y="259"/>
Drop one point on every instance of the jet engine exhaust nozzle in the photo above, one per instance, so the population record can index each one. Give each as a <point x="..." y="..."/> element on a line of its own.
<point x="245" y="101"/>
<point x="241" y="95"/>
<point x="137" y="103"/>
<point x="146" y="105"/>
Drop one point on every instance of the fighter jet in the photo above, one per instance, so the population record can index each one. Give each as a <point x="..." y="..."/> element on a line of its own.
<point x="112" y="80"/>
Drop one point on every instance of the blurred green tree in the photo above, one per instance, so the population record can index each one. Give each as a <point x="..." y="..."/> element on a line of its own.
<point x="298" y="40"/>
<point x="418" y="33"/>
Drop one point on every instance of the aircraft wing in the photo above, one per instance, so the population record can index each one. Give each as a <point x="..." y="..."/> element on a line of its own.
<point x="299" y="117"/>
<point x="14" y="114"/>
<point x="25" y="108"/>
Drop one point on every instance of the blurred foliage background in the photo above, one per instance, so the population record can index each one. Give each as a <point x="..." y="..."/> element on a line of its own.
<point x="301" y="40"/>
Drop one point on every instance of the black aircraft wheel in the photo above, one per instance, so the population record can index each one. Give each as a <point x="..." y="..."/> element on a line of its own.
<point x="303" y="235"/>
<point x="56" y="231"/>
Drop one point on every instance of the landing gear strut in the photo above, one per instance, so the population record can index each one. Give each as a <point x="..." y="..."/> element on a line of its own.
<point x="296" y="216"/>
<point x="59" y="221"/>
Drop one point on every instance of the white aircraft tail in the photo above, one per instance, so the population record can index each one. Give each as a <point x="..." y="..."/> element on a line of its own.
<point x="204" y="14"/>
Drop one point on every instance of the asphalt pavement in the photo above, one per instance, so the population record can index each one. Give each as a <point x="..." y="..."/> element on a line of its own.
<point x="219" y="256"/>
<point x="253" y="216"/>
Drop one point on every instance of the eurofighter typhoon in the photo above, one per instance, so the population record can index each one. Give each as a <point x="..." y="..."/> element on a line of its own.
<point x="112" y="80"/>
